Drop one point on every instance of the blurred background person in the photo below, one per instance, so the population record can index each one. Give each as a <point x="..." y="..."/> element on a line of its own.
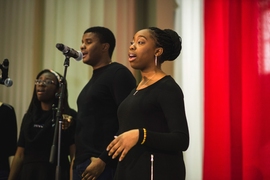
<point x="31" y="160"/>
<point x="8" y="136"/>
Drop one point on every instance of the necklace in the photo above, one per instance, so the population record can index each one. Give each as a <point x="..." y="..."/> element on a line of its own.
<point x="143" y="84"/>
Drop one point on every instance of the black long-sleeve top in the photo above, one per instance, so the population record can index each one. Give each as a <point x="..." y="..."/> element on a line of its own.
<point x="8" y="134"/>
<point x="97" y="121"/>
<point x="36" y="137"/>
<point x="159" y="109"/>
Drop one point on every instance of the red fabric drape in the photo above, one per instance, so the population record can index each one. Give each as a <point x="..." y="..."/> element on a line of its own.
<point x="237" y="89"/>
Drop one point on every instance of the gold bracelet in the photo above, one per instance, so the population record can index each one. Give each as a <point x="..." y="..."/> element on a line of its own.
<point x="144" y="136"/>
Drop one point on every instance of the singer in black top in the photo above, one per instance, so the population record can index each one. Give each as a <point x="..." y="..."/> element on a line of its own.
<point x="8" y="136"/>
<point x="153" y="129"/>
<point x="97" y="103"/>
<point x="32" y="158"/>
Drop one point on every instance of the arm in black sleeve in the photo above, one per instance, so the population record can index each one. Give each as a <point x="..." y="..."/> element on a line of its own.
<point x="123" y="83"/>
<point x="11" y="126"/>
<point x="171" y="101"/>
<point x="105" y="157"/>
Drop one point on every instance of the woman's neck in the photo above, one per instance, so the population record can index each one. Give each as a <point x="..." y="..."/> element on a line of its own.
<point x="152" y="74"/>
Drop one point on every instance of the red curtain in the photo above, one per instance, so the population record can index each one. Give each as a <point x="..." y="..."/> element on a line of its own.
<point x="237" y="89"/>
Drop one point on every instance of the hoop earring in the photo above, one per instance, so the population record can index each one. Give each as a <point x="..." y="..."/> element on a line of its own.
<point x="155" y="60"/>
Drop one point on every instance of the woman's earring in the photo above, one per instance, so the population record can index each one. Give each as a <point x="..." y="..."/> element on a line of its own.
<point x="156" y="60"/>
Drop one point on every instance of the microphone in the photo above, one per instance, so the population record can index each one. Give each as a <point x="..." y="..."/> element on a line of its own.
<point x="7" y="82"/>
<point x="5" y="79"/>
<point x="69" y="51"/>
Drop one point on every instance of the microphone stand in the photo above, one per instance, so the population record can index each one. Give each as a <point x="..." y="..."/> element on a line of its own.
<point x="58" y="124"/>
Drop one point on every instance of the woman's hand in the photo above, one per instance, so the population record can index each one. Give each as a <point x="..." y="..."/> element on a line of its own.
<point x="123" y="143"/>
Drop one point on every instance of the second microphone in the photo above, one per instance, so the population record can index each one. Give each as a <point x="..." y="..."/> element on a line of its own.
<point x="69" y="51"/>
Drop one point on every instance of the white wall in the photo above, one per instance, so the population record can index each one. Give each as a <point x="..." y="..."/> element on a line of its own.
<point x="188" y="72"/>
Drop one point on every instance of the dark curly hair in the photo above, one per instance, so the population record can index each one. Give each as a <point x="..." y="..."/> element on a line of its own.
<point x="169" y="40"/>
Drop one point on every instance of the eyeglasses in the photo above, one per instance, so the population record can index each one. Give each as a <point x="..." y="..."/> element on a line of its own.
<point x="46" y="82"/>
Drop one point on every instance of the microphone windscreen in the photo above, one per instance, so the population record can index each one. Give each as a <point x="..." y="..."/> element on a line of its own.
<point x="60" y="46"/>
<point x="8" y="82"/>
